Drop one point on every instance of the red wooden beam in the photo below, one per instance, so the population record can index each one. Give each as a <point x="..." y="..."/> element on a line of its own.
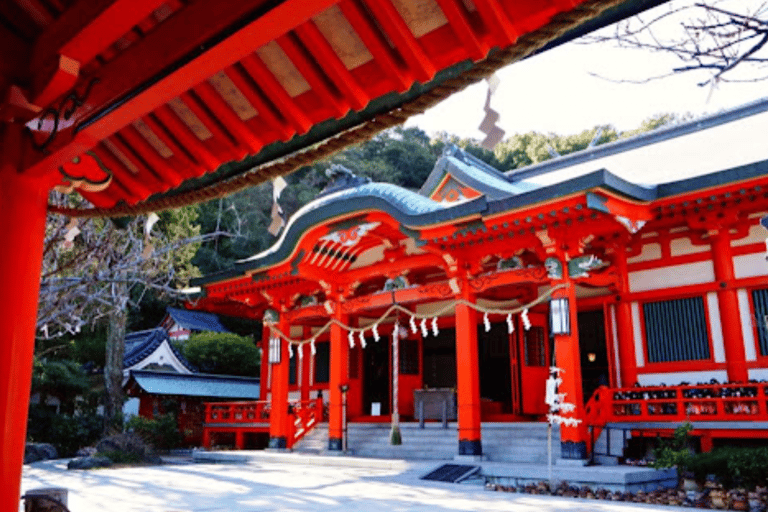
<point x="496" y="20"/>
<point x="391" y="21"/>
<point x="377" y="44"/>
<point x="313" y="75"/>
<point x="231" y="121"/>
<point x="88" y="28"/>
<point x="276" y="93"/>
<point x="211" y="122"/>
<point x="316" y="43"/>
<point x="454" y="11"/>
<point x="162" y="48"/>
<point x="189" y="162"/>
<point x="267" y="114"/>
<point x="37" y="11"/>
<point x="147" y="153"/>
<point x="187" y="139"/>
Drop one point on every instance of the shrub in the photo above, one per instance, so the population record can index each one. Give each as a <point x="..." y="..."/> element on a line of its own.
<point x="222" y="353"/>
<point x="730" y="465"/>
<point x="674" y="452"/>
<point x="67" y="432"/>
<point x="161" y="432"/>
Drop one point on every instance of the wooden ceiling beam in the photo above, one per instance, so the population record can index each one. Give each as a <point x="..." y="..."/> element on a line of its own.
<point x="161" y="67"/>
<point x="88" y="28"/>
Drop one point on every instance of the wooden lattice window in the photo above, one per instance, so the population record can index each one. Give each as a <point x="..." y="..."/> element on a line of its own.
<point x="760" y="301"/>
<point x="676" y="330"/>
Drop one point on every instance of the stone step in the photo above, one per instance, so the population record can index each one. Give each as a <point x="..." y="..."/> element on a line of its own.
<point x="503" y="442"/>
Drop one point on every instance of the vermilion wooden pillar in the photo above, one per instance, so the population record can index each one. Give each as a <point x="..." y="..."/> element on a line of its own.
<point x="23" y="205"/>
<point x="264" y="370"/>
<point x="339" y="377"/>
<point x="278" y="416"/>
<point x="304" y="366"/>
<point x="468" y="376"/>
<point x="627" y="362"/>
<point x="728" y="303"/>
<point x="573" y="440"/>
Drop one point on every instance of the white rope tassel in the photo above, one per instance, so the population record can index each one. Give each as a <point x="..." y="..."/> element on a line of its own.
<point x="526" y="320"/>
<point x="413" y="325"/>
<point x="362" y="339"/>
<point x="424" y="331"/>
<point x="486" y="322"/>
<point x="301" y="352"/>
<point x="290" y="351"/>
<point x="375" y="332"/>
<point x="351" y="337"/>
<point x="510" y="324"/>
<point x="435" y="330"/>
<point x="312" y="348"/>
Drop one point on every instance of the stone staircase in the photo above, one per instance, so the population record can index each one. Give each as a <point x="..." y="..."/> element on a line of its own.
<point x="611" y="443"/>
<point x="502" y="442"/>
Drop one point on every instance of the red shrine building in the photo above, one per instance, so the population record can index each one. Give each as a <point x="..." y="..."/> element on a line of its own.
<point x="637" y="268"/>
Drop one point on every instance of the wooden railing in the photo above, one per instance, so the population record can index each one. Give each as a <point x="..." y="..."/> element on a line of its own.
<point x="306" y="414"/>
<point x="239" y="416"/>
<point x="700" y="402"/>
<point x="237" y="413"/>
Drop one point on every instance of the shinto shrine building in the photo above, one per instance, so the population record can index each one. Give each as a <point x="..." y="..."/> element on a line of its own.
<point x="638" y="268"/>
<point x="146" y="105"/>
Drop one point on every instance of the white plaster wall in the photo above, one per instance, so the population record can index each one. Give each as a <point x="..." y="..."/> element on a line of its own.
<point x="649" y="252"/>
<point x="637" y="333"/>
<point x="683" y="246"/>
<point x="672" y="276"/>
<point x="655" y="379"/>
<point x="757" y="235"/>
<point x="131" y="408"/>
<point x="747" y="330"/>
<point x="750" y="265"/>
<point x="758" y="373"/>
<point x="715" y="328"/>
<point x="163" y="355"/>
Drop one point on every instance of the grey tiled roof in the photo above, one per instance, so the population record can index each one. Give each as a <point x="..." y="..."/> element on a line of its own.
<point x="139" y="345"/>
<point x="198" y="384"/>
<point x="196" y="320"/>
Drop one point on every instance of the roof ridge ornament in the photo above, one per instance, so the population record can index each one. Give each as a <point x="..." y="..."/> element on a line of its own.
<point x="341" y="178"/>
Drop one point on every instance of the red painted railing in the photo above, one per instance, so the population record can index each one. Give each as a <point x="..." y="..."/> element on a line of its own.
<point x="676" y="404"/>
<point x="235" y="413"/>
<point x="700" y="402"/>
<point x="305" y="414"/>
<point x="239" y="417"/>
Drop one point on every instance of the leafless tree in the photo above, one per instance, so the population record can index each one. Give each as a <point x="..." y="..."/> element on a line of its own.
<point x="724" y="39"/>
<point x="93" y="269"/>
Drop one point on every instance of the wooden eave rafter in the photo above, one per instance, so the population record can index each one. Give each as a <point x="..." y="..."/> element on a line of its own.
<point x="164" y="92"/>
<point x="748" y="197"/>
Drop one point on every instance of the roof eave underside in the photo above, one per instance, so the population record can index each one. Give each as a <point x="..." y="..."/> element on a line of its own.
<point x="175" y="186"/>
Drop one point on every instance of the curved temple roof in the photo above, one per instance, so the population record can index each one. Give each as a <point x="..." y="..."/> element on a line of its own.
<point x="495" y="193"/>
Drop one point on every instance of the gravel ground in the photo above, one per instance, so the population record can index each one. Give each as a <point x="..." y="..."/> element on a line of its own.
<point x="272" y="485"/>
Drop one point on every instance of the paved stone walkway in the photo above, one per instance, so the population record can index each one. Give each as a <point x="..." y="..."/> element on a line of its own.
<point x="272" y="485"/>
